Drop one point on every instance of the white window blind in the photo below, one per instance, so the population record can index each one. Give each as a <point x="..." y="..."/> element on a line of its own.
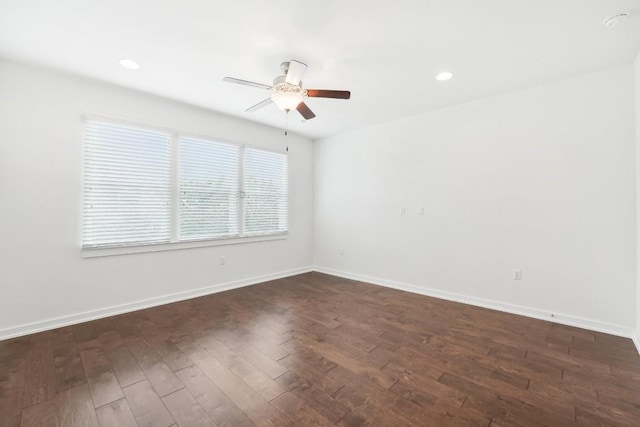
<point x="127" y="185"/>
<point x="265" y="192"/>
<point x="145" y="186"/>
<point x="209" y="186"/>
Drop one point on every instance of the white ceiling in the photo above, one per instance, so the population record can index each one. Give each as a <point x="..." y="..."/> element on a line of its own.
<point x="387" y="53"/>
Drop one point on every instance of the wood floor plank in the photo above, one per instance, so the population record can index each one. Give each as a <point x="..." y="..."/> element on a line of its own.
<point x="441" y="413"/>
<point x="116" y="414"/>
<point x="110" y="340"/>
<point x="186" y="410"/>
<point x="599" y="415"/>
<point x="307" y="358"/>
<point x="146" y="406"/>
<point x="160" y="376"/>
<point x="316" y="392"/>
<point x="75" y="407"/>
<point x="40" y="375"/>
<point x="366" y="409"/>
<point x="351" y="359"/>
<point x="12" y="383"/>
<point x="220" y="408"/>
<point x="43" y="414"/>
<point x="251" y="375"/>
<point x="259" y="360"/>
<point x="301" y="413"/>
<point x="68" y="366"/>
<point x="170" y="353"/>
<point x="245" y="397"/>
<point x="103" y="383"/>
<point x="419" y="388"/>
<point x="103" y="325"/>
<point x="14" y="348"/>
<point x="303" y="371"/>
<point x="125" y="366"/>
<point x="234" y="334"/>
<point x="84" y="332"/>
<point x="63" y="335"/>
<point x="501" y="407"/>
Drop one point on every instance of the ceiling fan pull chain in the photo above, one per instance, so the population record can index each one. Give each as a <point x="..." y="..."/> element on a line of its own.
<point x="286" y="128"/>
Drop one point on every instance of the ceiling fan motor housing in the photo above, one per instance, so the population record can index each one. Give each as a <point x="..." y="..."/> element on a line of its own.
<point x="280" y="85"/>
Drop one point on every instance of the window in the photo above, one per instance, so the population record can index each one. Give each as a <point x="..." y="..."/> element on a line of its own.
<point x="265" y="192"/>
<point x="127" y="185"/>
<point x="145" y="186"/>
<point x="209" y="177"/>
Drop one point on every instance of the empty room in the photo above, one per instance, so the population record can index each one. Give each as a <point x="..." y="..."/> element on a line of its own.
<point x="270" y="213"/>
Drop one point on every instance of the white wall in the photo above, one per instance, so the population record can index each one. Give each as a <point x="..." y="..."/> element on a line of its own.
<point x="42" y="273"/>
<point x="636" y="72"/>
<point x="540" y="179"/>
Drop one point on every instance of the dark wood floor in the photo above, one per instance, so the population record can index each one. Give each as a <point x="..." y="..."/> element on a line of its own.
<point x="318" y="350"/>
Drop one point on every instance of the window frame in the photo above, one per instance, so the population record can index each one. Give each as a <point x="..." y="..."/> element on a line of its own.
<point x="174" y="209"/>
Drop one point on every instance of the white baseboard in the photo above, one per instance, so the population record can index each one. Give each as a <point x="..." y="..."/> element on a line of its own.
<point x="86" y="316"/>
<point x="563" y="319"/>
<point x="636" y="340"/>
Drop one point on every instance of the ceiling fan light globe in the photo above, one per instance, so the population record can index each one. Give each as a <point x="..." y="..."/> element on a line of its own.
<point x="287" y="101"/>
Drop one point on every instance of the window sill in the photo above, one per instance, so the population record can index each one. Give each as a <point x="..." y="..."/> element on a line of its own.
<point x="171" y="246"/>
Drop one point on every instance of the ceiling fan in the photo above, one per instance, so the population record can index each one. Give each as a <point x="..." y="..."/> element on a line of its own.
<point x="287" y="92"/>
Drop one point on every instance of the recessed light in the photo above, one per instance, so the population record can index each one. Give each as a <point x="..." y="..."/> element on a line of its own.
<point x="445" y="75"/>
<point x="614" y="20"/>
<point x="130" y="64"/>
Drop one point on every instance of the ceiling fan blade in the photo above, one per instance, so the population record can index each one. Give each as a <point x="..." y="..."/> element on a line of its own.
<point x="259" y="105"/>
<point x="245" y="83"/>
<point x="305" y="111"/>
<point x="322" y="93"/>
<point x="296" y="71"/>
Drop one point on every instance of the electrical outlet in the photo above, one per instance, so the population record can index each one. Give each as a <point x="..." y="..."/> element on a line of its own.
<point x="341" y="252"/>
<point x="222" y="260"/>
<point x="517" y="274"/>
<point x="421" y="211"/>
<point x="402" y="210"/>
